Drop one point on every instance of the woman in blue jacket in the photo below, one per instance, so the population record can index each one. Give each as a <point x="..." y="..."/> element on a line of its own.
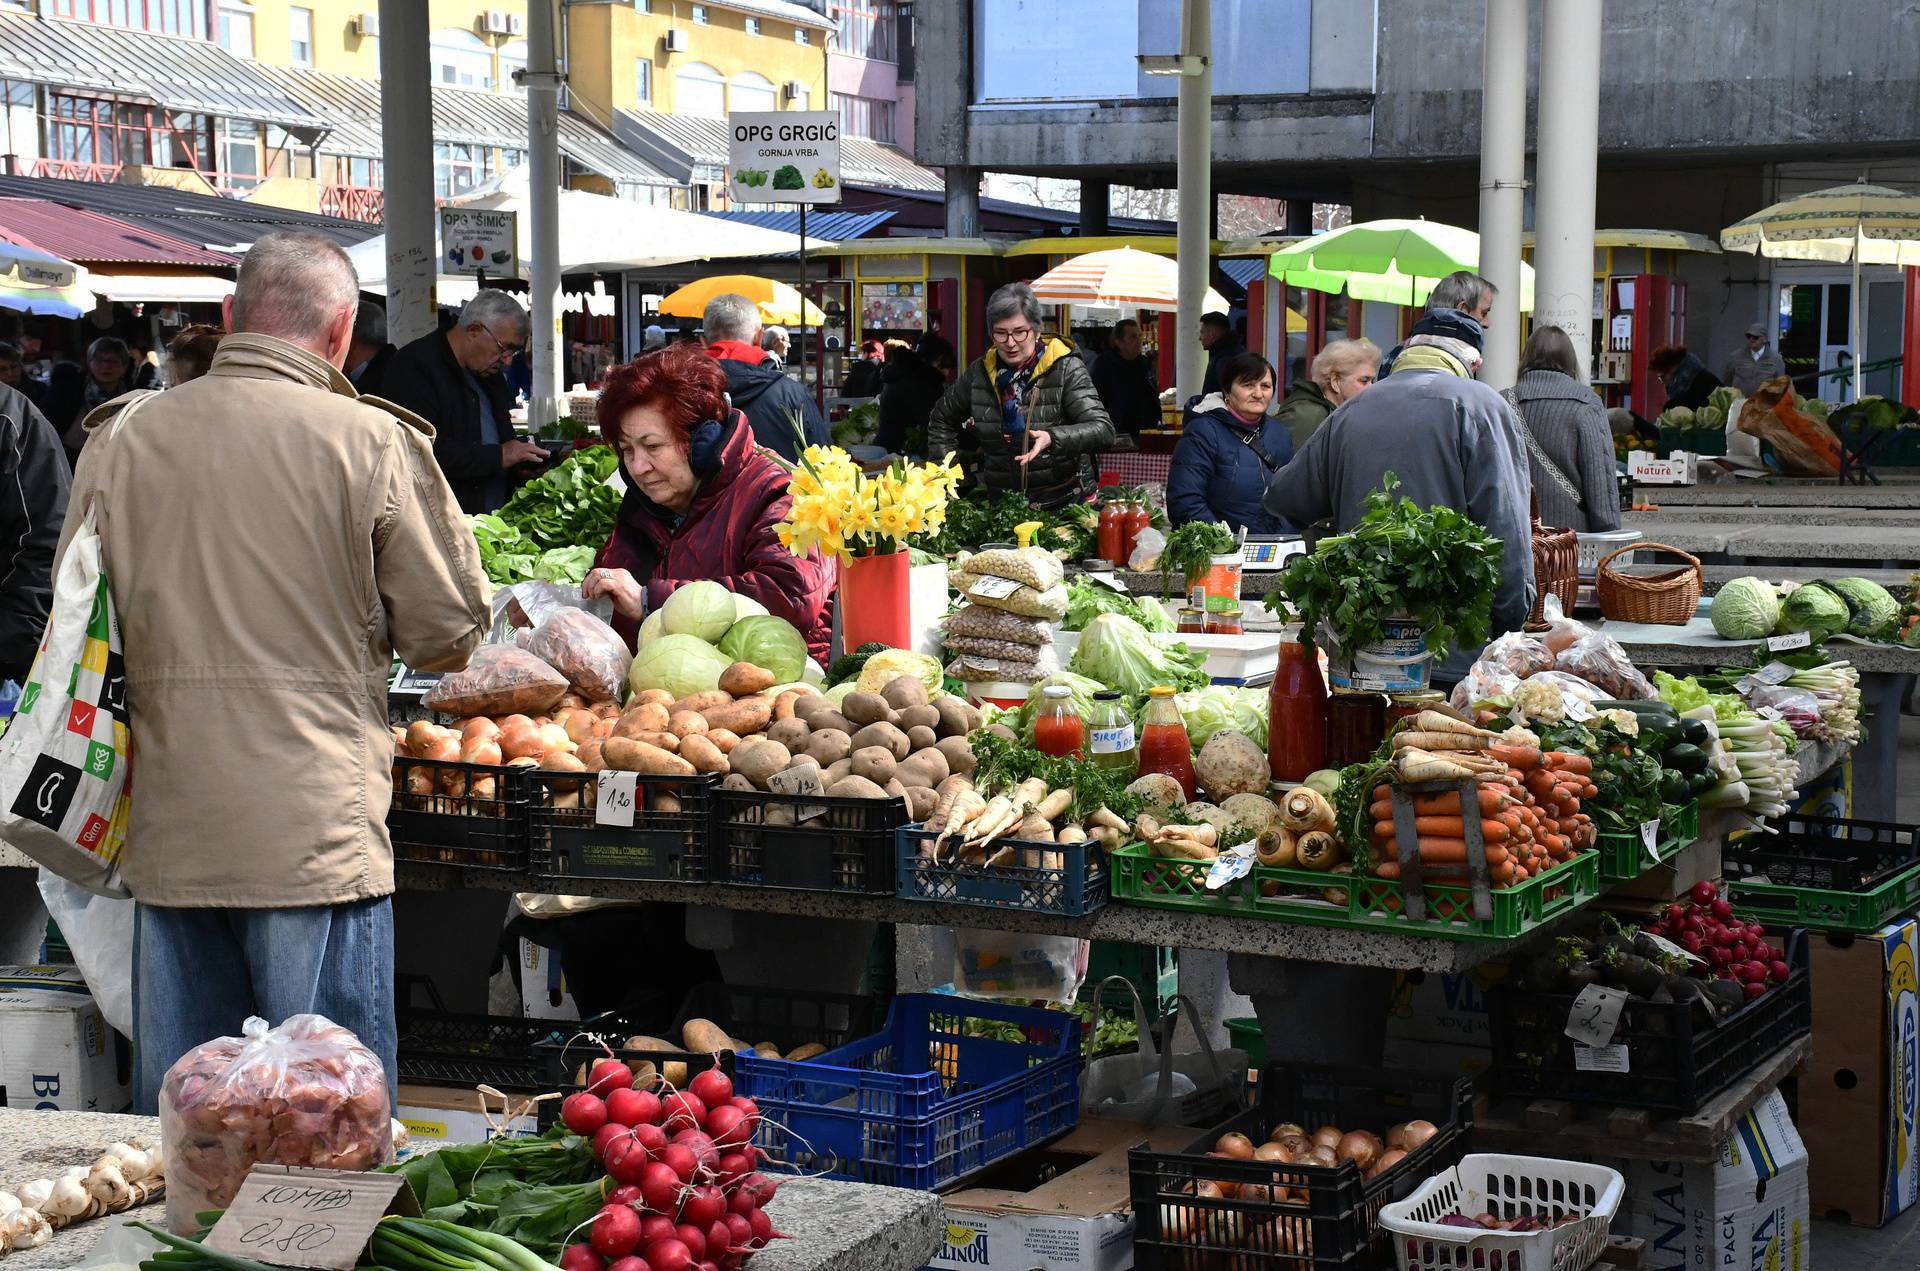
<point x="1229" y="451"/>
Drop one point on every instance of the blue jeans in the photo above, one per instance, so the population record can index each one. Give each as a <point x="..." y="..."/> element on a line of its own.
<point x="198" y="974"/>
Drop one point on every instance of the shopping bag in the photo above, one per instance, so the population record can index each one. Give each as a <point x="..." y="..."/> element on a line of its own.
<point x="1197" y="1086"/>
<point x="99" y="931"/>
<point x="66" y="761"/>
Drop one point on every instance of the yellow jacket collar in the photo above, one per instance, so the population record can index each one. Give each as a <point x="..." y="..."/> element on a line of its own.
<point x="1050" y="352"/>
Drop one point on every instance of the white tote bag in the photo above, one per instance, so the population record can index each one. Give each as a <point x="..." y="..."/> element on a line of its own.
<point x="1199" y="1086"/>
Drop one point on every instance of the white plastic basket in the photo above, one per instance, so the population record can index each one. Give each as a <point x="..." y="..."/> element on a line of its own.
<point x="1598" y="543"/>
<point x="1507" y="1187"/>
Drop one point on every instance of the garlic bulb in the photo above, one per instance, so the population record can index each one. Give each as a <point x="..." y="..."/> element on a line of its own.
<point x="134" y="1164"/>
<point x="26" y="1229"/>
<point x="9" y="1203"/>
<point x="107" y="1185"/>
<point x="75" y="1171"/>
<point x="34" y="1195"/>
<point x="67" y="1200"/>
<point x="121" y="1150"/>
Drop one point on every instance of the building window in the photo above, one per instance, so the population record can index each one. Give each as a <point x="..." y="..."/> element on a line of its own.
<point x="643" y="79"/>
<point x="513" y="57"/>
<point x="236" y="30"/>
<point x="868" y="117"/>
<point x="802" y="100"/>
<point x="239" y="154"/>
<point x="700" y="15"/>
<point x="457" y="168"/>
<point x="94" y="130"/>
<point x="753" y="26"/>
<point x="800" y="35"/>
<point x="461" y="59"/>
<point x="700" y="91"/>
<point x="749" y="91"/>
<point x="300" y="23"/>
<point x="867" y="28"/>
<point x="169" y="17"/>
<point x="643" y="6"/>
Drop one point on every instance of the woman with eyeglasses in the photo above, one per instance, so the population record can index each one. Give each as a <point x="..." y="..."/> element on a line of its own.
<point x="1032" y="403"/>
<point x="1230" y="449"/>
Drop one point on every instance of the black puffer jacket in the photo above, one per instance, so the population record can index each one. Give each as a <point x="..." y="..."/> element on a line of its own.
<point x="910" y="386"/>
<point x="1062" y="402"/>
<point x="34" y="484"/>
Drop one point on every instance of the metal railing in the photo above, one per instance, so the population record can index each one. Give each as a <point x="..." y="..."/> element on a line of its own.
<point x="354" y="202"/>
<point x="70" y="170"/>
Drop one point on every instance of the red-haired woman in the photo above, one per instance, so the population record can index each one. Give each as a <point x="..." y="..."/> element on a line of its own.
<point x="701" y="500"/>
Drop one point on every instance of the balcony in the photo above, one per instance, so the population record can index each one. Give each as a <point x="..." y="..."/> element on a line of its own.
<point x="69" y="170"/>
<point x="354" y="202"/>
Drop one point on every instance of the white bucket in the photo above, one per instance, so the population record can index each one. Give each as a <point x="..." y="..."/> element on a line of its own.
<point x="1399" y="663"/>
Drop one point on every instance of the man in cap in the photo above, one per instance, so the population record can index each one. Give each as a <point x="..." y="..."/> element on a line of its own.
<point x="1754" y="365"/>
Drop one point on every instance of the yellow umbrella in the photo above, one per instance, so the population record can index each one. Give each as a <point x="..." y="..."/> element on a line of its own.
<point x="1119" y="279"/>
<point x="778" y="302"/>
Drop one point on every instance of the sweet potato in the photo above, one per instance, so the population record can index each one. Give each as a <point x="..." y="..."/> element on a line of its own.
<point x="686" y="723"/>
<point x="783" y="706"/>
<point x="703" y="701"/>
<point x="627" y="755"/>
<point x="703" y="1037"/>
<point x="646" y="717"/>
<point x="724" y="739"/>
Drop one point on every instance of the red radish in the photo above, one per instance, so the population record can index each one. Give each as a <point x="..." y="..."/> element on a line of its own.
<point x="738" y="1202"/>
<point x="625" y="1194"/>
<point x="749" y="1109"/>
<point x="660" y="1188"/>
<point x="603" y="1136"/>
<point x="1703" y="893"/>
<point x="728" y="1126"/>
<point x="733" y="1166"/>
<point x="712" y="1087"/>
<point x="760" y="1189"/>
<point x="655" y="1227"/>
<point x="616" y="1230"/>
<point x="626" y="1161"/>
<point x="584" y="1113"/>
<point x="651" y="1137"/>
<point x="630" y="1107"/>
<point x="682" y="1111"/>
<point x="668" y="1255"/>
<point x="762" y="1228"/>
<point x="706" y="1156"/>
<point x="581" y="1258"/>
<point x="719" y="1240"/>
<point x="703" y="1206"/>
<point x="681" y="1160"/>
<point x="694" y="1239"/>
<point x="1753" y="989"/>
<point x="608" y="1075"/>
<point x="1779" y="971"/>
<point x="739" y="1229"/>
<point x="629" y="1263"/>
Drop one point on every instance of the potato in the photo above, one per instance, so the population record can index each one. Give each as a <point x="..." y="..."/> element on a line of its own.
<point x="748" y="715"/>
<point x="919" y="738"/>
<point x="920" y="803"/>
<point x="832" y="719"/>
<point x="645" y="1075"/>
<point x="959" y="755"/>
<point x="852" y="787"/>
<point x="1003" y="732"/>
<point x="759" y="760"/>
<point x="828" y="744"/>
<point x="627" y="755"/>
<point x="895" y="790"/>
<point x="875" y="763"/>
<point x="807" y="1051"/>
<point x="663" y="801"/>
<point x="923" y="768"/>
<point x="807" y="707"/>
<point x="882" y="735"/>
<point x="687" y="723"/>
<point x="835" y="771"/>
<point x="783" y="706"/>
<point x="658" y="696"/>
<point x="957" y="718"/>
<point x="791" y="733"/>
<point x="743" y="678"/>
<point x="703" y="755"/>
<point x="647" y="717"/>
<point x="589" y="754"/>
<point x="912" y="717"/>
<point x="666" y="741"/>
<point x="767" y="1050"/>
<point x="778" y="814"/>
<point x="866" y="708"/>
<point x="803" y="761"/>
<point x="724" y="739"/>
<point x="903" y="691"/>
<point x="736" y="782"/>
<point x="704" y="1037"/>
<point x="703" y="701"/>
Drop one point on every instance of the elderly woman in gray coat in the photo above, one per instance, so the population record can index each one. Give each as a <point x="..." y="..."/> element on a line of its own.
<point x="1569" y="444"/>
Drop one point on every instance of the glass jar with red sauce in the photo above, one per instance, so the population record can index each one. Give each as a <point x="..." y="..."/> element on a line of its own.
<point x="1192" y="621"/>
<point x="1058" y="729"/>
<point x="1111" y="532"/>
<point x="1164" y="746"/>
<point x="1135" y="519"/>
<point x="1356" y="724"/>
<point x="1225" y="622"/>
<point x="1297" y="713"/>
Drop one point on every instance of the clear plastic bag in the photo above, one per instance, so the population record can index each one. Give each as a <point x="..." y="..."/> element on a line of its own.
<point x="587" y="651"/>
<point x="306" y="1093"/>
<point x="1146" y="551"/>
<point x="1562" y="632"/>
<point x="1598" y="659"/>
<point x="1520" y="653"/>
<point x="1484" y="680"/>
<point x="501" y="679"/>
<point x="1009" y="966"/>
<point x="1799" y="707"/>
<point x="531" y="603"/>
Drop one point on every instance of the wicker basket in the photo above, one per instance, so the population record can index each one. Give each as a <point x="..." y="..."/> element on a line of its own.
<point x="1667" y="599"/>
<point x="1556" y="569"/>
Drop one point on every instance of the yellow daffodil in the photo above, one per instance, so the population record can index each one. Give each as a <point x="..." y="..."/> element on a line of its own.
<point x="839" y="510"/>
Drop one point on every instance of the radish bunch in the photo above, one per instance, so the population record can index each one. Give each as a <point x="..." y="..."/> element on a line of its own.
<point x="1731" y="948"/>
<point x="687" y="1197"/>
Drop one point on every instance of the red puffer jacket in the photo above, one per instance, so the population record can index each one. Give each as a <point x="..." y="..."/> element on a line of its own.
<point x="726" y="536"/>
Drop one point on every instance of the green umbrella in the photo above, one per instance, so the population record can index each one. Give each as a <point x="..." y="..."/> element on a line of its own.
<point x="1394" y="262"/>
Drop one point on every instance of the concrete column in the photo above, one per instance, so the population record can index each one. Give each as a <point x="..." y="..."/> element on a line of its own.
<point x="1195" y="169"/>
<point x="1503" y="163"/>
<point x="963" y="202"/>
<point x="406" y="157"/>
<point x="543" y="207"/>
<point x="1567" y="150"/>
<point x="1095" y="201"/>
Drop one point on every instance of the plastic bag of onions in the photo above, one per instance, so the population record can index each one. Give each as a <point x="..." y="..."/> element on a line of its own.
<point x="305" y="1093"/>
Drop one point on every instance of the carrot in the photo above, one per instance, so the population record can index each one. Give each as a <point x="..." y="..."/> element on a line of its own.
<point x="1450" y="827"/>
<point x="1522" y="757"/>
<point x="1569" y="762"/>
<point x="1490" y="800"/>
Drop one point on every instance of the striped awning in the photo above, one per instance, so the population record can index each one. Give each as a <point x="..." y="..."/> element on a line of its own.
<point x="1118" y="279"/>
<point x="1870" y="224"/>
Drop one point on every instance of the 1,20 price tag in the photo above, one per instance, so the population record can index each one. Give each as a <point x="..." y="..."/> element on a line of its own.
<point x="1594" y="1013"/>
<point x="617" y="794"/>
<point x="1781" y="643"/>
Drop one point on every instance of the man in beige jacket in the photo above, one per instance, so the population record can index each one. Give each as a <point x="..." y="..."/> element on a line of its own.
<point x="272" y="539"/>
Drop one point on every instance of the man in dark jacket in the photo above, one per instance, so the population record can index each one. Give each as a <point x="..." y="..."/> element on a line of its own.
<point x="34" y="482"/>
<point x="452" y="380"/>
<point x="1125" y="382"/>
<point x="368" y="355"/>
<point x="781" y="411"/>
<point x="910" y="383"/>
<point x="1217" y="337"/>
<point x="1033" y="405"/>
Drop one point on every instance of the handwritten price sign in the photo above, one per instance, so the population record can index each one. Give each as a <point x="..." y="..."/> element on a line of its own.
<point x="315" y="1218"/>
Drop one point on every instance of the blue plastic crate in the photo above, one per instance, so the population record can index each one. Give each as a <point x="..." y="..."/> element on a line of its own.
<point x="1070" y="879"/>
<point x="924" y="1102"/>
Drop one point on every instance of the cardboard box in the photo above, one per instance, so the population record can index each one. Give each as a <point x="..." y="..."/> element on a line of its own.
<point x="543" y="988"/>
<point x="442" y="1114"/>
<point x="1063" y="1207"/>
<point x="1860" y="1095"/>
<point x="1678" y="468"/>
<point x="56" y="1050"/>
<point x="1746" y="1210"/>
<point x="1439" y="1023"/>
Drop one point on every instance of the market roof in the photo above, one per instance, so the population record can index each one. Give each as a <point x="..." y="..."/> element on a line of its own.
<point x="461" y="116"/>
<point x="204" y="220"/>
<point x="904" y="246"/>
<point x="695" y="149"/>
<point x="1120" y="225"/>
<point x="1245" y="270"/>
<point x="838" y="226"/>
<point x="1671" y="240"/>
<point x="785" y="10"/>
<point x="172" y="288"/>
<point x="89" y="238"/>
<point x="177" y="72"/>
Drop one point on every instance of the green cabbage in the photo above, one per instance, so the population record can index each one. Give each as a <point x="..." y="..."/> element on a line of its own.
<point x="1874" y="610"/>
<point x="1205" y="711"/>
<point x="1680" y="417"/>
<point x="680" y="664"/>
<point x="1816" y="408"/>
<point x="747" y="607"/>
<point x="1815" y="610"/>
<point x="653" y="628"/>
<point x="701" y="609"/>
<point x="1119" y="652"/>
<point x="770" y="642"/>
<point x="1746" y="609"/>
<point x="1721" y="399"/>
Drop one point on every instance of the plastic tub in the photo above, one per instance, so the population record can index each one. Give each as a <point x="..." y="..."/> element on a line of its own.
<point x="1507" y="1187"/>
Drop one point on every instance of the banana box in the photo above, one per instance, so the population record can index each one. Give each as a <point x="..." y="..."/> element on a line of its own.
<point x="436" y="1116"/>
<point x="1860" y="1098"/>
<point x="57" y="1052"/>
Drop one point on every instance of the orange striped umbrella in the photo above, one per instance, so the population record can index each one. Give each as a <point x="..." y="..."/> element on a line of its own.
<point x="1119" y="279"/>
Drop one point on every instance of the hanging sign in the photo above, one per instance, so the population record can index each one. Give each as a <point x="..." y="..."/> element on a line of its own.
<point x="476" y="241"/>
<point x="783" y="156"/>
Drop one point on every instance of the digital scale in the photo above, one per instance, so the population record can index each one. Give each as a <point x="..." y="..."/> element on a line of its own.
<point x="1272" y="551"/>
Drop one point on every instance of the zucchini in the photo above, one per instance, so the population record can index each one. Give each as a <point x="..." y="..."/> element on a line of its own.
<point x="1685" y="758"/>
<point x="1695" y="733"/>
<point x="1673" y="788"/>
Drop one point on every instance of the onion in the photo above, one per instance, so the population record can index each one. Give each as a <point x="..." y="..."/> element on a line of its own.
<point x="1207" y="1189"/>
<point x="1235" y="1145"/>
<point x="1322" y="1156"/>
<point x="1277" y="1153"/>
<point x="1389" y="1159"/>
<point x="1360" y="1148"/>
<point x="1298" y="1144"/>
<point x="1286" y="1128"/>
<point x="1328" y="1136"/>
<point x="1417" y="1132"/>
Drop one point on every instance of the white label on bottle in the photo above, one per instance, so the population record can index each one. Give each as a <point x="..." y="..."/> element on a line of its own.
<point x="1594" y="1014"/>
<point x="1235" y="862"/>
<point x="993" y="588"/>
<point x="1116" y="740"/>
<point x="1650" y="835"/>
<point x="1602" y="1059"/>
<point x="1798" y="640"/>
<point x="1109" y="581"/>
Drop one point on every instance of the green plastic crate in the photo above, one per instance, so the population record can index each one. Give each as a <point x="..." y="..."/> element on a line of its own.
<point x="1854" y="912"/>
<point x="1153" y="970"/>
<point x="1246" y="1034"/>
<point x="1624" y="857"/>
<point x="1516" y="910"/>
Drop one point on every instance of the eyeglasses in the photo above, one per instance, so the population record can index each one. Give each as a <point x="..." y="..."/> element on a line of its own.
<point x="502" y="350"/>
<point x="1011" y="335"/>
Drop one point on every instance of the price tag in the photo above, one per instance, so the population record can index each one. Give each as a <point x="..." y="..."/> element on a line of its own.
<point x="1594" y="1014"/>
<point x="804" y="780"/>
<point x="1579" y="709"/>
<point x="1235" y="862"/>
<point x="1768" y="712"/>
<point x="1650" y="835"/>
<point x="316" y="1218"/>
<point x="1774" y="672"/>
<point x="1671" y="949"/>
<point x="1601" y="1059"/>
<point x="618" y="793"/>
<point x="1798" y="640"/>
<point x="408" y="682"/>
<point x="992" y="588"/>
<point x="1110" y="581"/>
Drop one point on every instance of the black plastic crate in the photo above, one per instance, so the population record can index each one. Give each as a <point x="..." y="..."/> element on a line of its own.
<point x="1826" y="853"/>
<point x="1072" y="879"/>
<point x="447" y="813"/>
<point x="443" y="1048"/>
<point x="565" y="1059"/>
<point x="1677" y="1060"/>
<point x="1328" y="1217"/>
<point x="806" y="842"/>
<point x="788" y="1018"/>
<point x="568" y="841"/>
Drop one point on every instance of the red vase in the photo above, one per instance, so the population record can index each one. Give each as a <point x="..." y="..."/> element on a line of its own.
<point x="874" y="602"/>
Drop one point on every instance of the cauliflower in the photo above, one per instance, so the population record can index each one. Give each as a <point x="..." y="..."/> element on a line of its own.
<point x="1538" y="701"/>
<point x="1625" y="722"/>
<point x="1518" y="736"/>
